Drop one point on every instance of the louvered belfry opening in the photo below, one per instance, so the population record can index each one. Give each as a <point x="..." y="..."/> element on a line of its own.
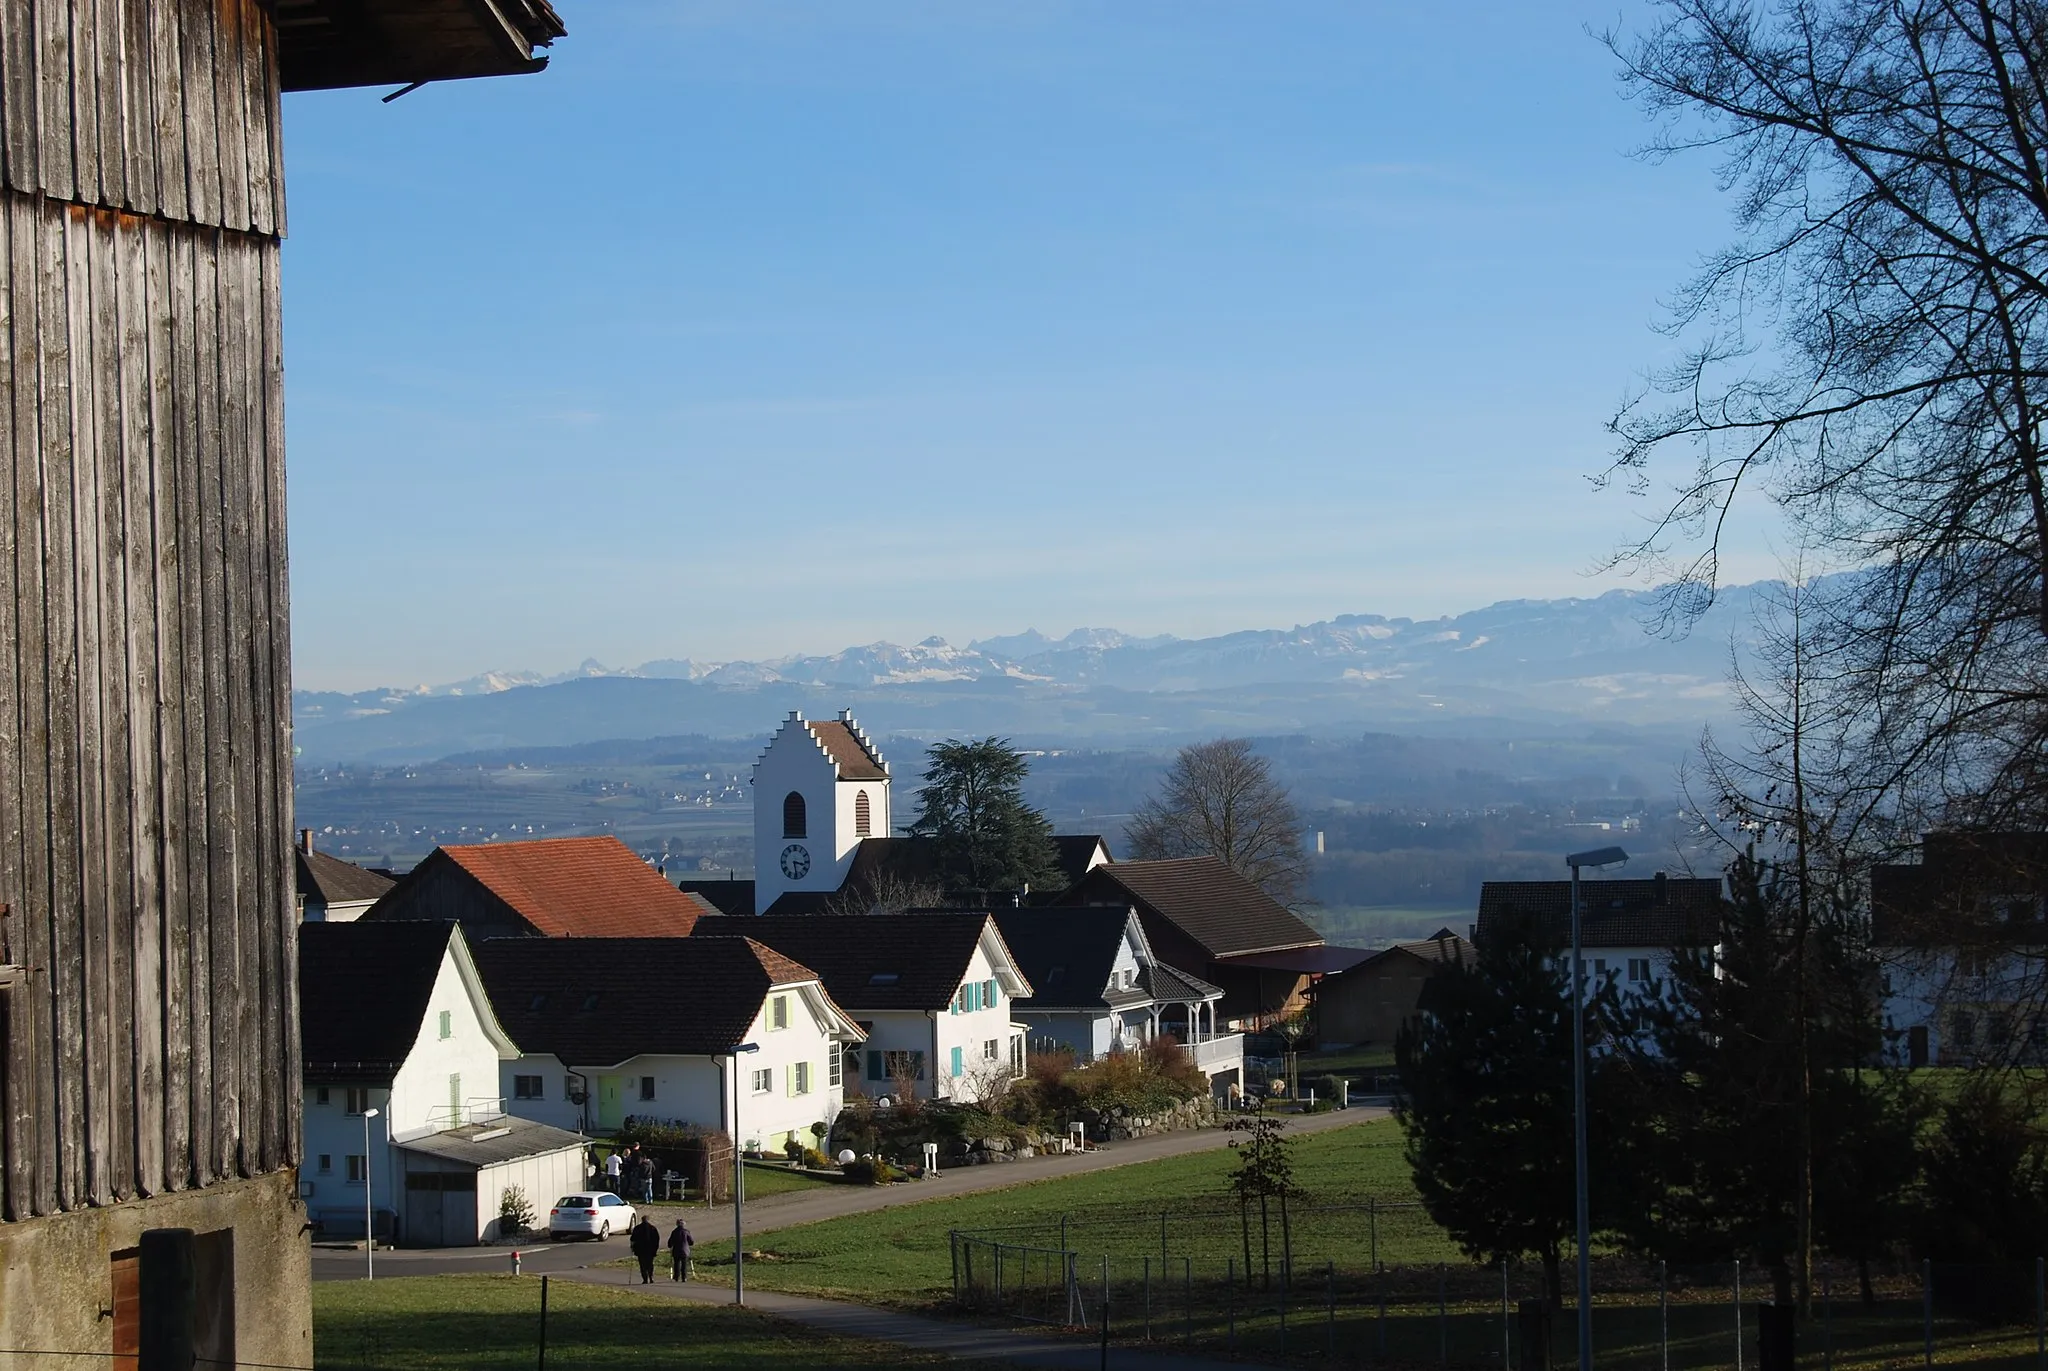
<point x="793" y="816"/>
<point x="863" y="814"/>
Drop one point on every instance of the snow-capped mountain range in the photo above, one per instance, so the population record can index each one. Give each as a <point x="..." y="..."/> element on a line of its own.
<point x="1595" y="658"/>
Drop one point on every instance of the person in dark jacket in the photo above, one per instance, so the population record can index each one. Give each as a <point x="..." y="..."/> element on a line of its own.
<point x="680" y="1241"/>
<point x="646" y="1245"/>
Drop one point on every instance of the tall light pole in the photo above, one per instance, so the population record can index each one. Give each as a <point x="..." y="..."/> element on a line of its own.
<point x="1599" y="857"/>
<point x="739" y="1177"/>
<point x="369" y="1217"/>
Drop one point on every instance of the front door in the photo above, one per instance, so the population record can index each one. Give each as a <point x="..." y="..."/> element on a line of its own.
<point x="611" y="1101"/>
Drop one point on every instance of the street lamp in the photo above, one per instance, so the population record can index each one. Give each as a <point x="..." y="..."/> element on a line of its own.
<point x="369" y="1221"/>
<point x="1598" y="858"/>
<point x="739" y="1177"/>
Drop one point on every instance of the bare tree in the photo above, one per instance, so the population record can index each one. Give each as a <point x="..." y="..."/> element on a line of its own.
<point x="1220" y="800"/>
<point x="1872" y="353"/>
<point x="889" y="892"/>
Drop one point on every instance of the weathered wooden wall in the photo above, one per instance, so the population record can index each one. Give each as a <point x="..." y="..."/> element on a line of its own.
<point x="145" y="759"/>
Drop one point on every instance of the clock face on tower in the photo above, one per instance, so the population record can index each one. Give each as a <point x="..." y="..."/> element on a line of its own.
<point x="796" y="861"/>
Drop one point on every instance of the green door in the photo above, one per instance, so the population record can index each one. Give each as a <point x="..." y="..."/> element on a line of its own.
<point x="611" y="1101"/>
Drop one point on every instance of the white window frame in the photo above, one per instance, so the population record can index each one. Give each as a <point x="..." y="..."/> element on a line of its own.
<point x="763" y="1080"/>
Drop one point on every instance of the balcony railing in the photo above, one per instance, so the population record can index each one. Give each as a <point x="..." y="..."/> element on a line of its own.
<point x="1221" y="1052"/>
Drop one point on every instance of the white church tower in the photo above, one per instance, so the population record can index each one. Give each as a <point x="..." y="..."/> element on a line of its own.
<point x="819" y="788"/>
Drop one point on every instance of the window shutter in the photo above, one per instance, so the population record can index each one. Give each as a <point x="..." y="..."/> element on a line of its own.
<point x="990" y="993"/>
<point x="957" y="1069"/>
<point x="789" y="1080"/>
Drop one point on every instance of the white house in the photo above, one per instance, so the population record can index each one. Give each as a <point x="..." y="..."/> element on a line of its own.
<point x="393" y="1017"/>
<point x="1962" y="935"/>
<point x="933" y="993"/>
<point x="1629" y="928"/>
<point x="1098" y="988"/>
<point x="820" y="787"/>
<point x="618" y="1028"/>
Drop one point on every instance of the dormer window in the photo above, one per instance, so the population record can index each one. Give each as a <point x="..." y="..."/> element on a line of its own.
<point x="793" y="817"/>
<point x="863" y="814"/>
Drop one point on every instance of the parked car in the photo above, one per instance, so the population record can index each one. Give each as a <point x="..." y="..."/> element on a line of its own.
<point x="597" y="1215"/>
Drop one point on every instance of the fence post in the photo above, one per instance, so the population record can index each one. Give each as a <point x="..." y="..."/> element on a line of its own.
<point x="1148" y="1295"/>
<point x="1506" y="1348"/>
<point x="1664" y="1315"/>
<point x="1827" y="1324"/>
<point x="1372" y="1213"/>
<point x="1105" y="1294"/>
<point x="1230" y="1300"/>
<point x="543" y="1363"/>
<point x="999" y="1277"/>
<point x="1738" y="1314"/>
<point x="1063" y="1232"/>
<point x="1381" y="1332"/>
<point x="1162" y="1242"/>
<point x="953" y="1244"/>
<point x="1443" y="1320"/>
<point x="2041" y="1312"/>
<point x="1188" y="1297"/>
<point x="1283" y="1307"/>
<point x="1330" y="1275"/>
<point x="1927" y="1308"/>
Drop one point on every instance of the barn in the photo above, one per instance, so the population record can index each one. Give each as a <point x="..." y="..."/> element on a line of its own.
<point x="149" y="1075"/>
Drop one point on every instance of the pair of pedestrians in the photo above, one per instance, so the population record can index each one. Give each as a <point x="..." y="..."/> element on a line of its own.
<point x="646" y="1244"/>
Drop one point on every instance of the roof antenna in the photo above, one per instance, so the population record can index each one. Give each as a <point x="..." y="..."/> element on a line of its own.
<point x="403" y="90"/>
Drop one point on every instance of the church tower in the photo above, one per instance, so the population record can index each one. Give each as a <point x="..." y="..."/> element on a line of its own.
<point x="819" y="788"/>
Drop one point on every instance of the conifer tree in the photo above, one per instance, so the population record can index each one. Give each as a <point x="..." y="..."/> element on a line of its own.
<point x="972" y="808"/>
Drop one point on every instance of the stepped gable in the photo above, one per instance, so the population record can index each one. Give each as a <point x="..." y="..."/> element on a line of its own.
<point x="848" y="747"/>
<point x="628" y="997"/>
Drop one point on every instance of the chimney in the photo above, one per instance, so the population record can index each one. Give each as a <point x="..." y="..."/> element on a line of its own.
<point x="306" y="841"/>
<point x="1663" y="889"/>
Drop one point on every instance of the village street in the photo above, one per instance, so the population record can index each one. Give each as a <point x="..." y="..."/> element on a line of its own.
<point x="789" y="1210"/>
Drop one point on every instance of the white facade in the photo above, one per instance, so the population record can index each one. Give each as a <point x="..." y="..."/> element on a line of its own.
<point x="956" y="1051"/>
<point x="799" y="1047"/>
<point x="815" y="853"/>
<point x="449" y="1076"/>
<point x="1951" y="1007"/>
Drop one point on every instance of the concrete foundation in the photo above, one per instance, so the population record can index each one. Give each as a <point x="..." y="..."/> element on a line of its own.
<point x="57" y="1275"/>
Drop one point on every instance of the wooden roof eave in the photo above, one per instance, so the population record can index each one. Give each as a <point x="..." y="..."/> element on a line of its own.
<point x="335" y="44"/>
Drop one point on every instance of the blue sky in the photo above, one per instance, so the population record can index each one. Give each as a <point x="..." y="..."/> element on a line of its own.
<point x="751" y="329"/>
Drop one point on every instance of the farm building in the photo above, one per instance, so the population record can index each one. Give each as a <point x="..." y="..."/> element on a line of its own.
<point x="148" y="1015"/>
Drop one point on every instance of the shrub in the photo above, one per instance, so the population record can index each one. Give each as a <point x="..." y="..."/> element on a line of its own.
<point x="794" y="1151"/>
<point x="1329" y="1088"/>
<point x="868" y="1171"/>
<point x="515" y="1212"/>
<point x="815" y="1159"/>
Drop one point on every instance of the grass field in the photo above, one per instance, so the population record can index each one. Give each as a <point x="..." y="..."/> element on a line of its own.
<point x="772" y="1178"/>
<point x="492" y="1323"/>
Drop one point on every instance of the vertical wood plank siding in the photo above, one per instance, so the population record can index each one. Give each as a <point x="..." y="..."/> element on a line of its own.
<point x="158" y="107"/>
<point x="145" y="680"/>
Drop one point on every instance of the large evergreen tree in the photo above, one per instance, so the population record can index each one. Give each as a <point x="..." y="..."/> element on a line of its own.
<point x="971" y="806"/>
<point x="1486" y="1100"/>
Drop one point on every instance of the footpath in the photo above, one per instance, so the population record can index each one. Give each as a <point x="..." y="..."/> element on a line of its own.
<point x="959" y="1341"/>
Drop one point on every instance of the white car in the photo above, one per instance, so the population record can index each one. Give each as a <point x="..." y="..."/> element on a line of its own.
<point x="597" y="1215"/>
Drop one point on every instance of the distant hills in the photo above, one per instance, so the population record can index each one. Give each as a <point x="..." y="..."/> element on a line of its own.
<point x="1512" y="666"/>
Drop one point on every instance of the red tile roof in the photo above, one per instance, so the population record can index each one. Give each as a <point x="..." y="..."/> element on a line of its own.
<point x="847" y="751"/>
<point x="581" y="888"/>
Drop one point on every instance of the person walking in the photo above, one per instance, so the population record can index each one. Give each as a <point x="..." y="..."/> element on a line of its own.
<point x="646" y="1245"/>
<point x="613" y="1166"/>
<point x="680" y="1242"/>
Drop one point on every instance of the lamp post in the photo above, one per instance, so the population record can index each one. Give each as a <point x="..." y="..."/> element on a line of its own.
<point x="1599" y="857"/>
<point x="369" y="1213"/>
<point x="739" y="1177"/>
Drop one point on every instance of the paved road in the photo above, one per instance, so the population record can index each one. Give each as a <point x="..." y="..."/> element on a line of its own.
<point x="809" y="1206"/>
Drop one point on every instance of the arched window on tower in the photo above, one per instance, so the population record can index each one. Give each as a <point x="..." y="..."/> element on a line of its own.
<point x="793" y="816"/>
<point x="863" y="817"/>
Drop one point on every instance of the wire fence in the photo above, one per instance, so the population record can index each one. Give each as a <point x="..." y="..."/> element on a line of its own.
<point x="1645" y="1316"/>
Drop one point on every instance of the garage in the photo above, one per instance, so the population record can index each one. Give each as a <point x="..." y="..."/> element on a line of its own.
<point x="455" y="1180"/>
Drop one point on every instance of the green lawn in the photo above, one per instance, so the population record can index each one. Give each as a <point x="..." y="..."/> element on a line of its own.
<point x="773" y="1178"/>
<point x="904" y="1255"/>
<point x="485" y="1323"/>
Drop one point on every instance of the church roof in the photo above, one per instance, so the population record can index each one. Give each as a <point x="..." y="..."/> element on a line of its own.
<point x="849" y="750"/>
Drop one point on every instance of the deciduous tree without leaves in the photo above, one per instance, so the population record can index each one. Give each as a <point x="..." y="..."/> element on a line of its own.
<point x="1220" y="800"/>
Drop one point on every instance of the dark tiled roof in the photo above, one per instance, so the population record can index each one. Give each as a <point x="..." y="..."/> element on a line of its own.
<point x="1435" y="952"/>
<point x="606" y="1000"/>
<point x="848" y="750"/>
<point x="724" y="894"/>
<point x="1204" y="898"/>
<point x="1167" y="983"/>
<point x="570" y="888"/>
<point x="330" y="880"/>
<point x="872" y="961"/>
<point x="1066" y="954"/>
<point x="1074" y="852"/>
<point x="1969" y="888"/>
<point x="363" y="992"/>
<point x="1669" y="912"/>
